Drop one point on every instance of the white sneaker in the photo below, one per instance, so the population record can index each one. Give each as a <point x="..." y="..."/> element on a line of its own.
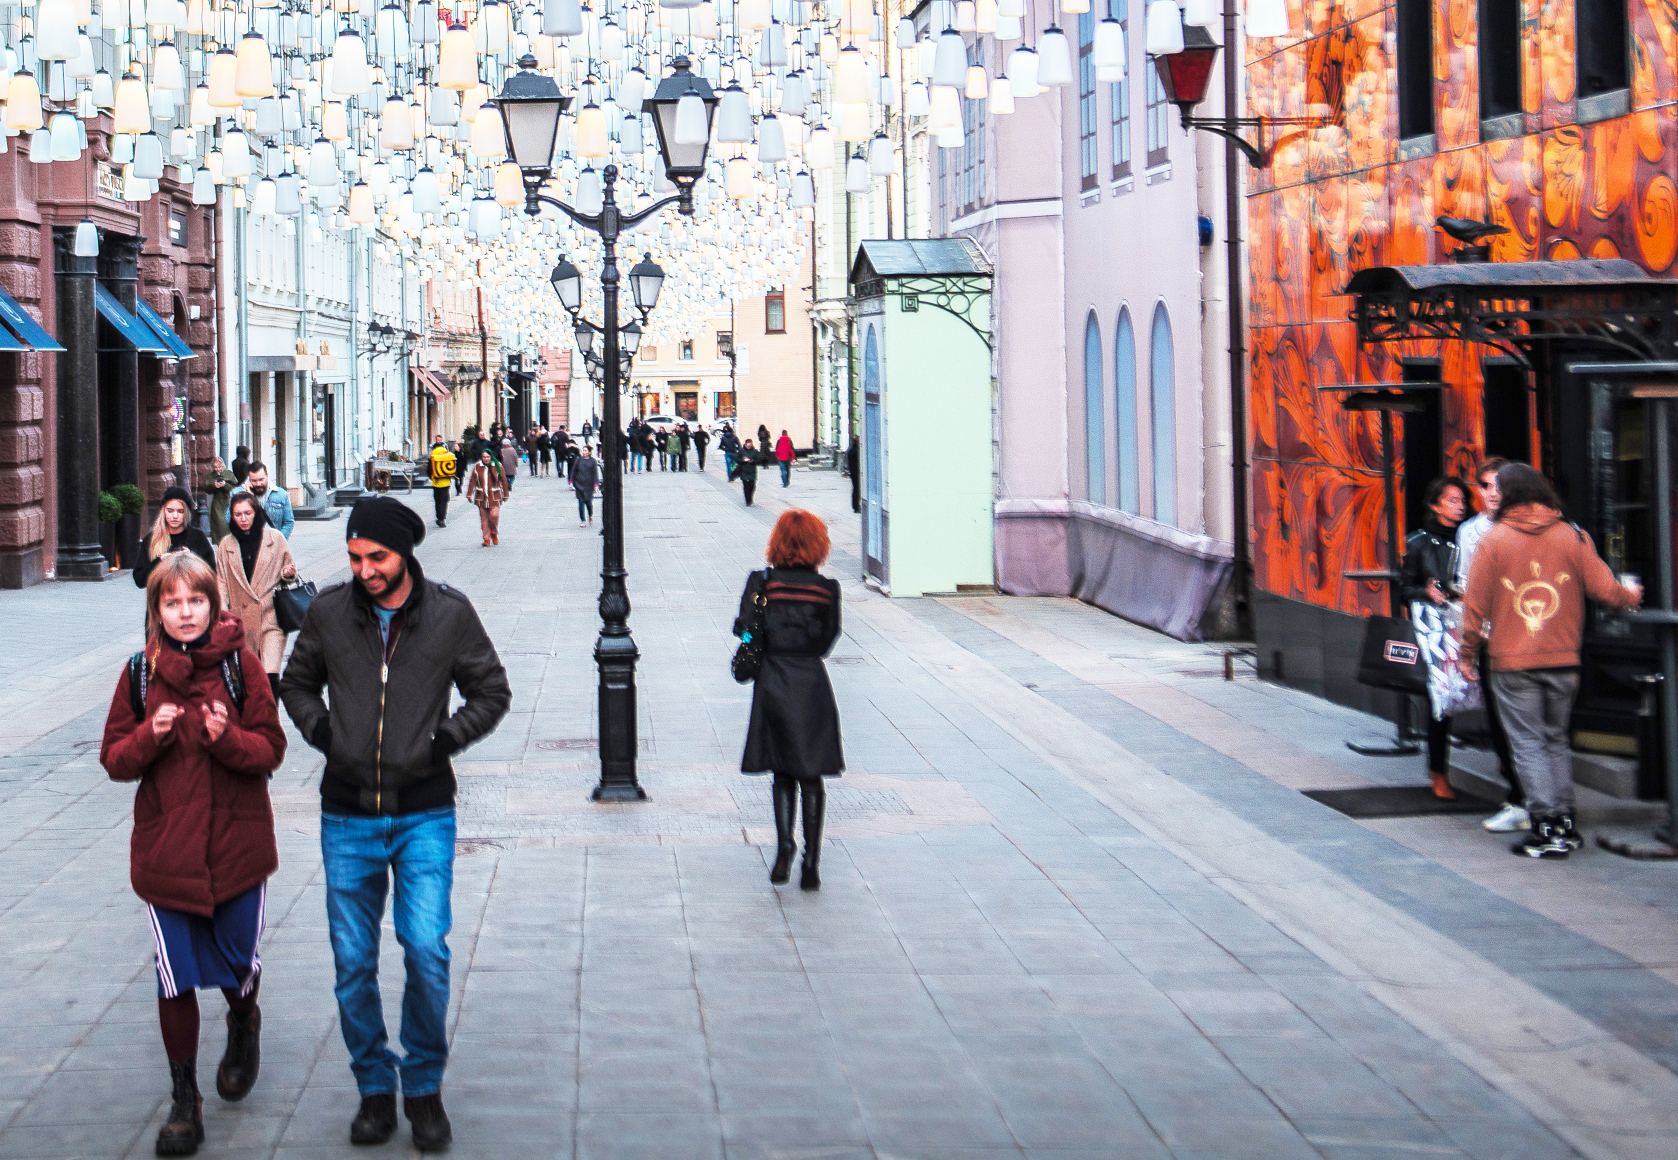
<point x="1508" y="820"/>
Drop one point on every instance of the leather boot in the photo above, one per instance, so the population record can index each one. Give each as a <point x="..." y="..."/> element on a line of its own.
<point x="184" y="1130"/>
<point x="243" y="1059"/>
<point x="432" y="1132"/>
<point x="786" y="829"/>
<point x="375" y="1120"/>
<point x="815" y="807"/>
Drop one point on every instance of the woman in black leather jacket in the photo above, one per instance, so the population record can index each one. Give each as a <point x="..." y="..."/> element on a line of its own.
<point x="794" y="730"/>
<point x="1429" y="574"/>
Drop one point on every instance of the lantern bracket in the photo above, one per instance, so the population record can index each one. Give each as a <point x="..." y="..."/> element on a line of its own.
<point x="1259" y="156"/>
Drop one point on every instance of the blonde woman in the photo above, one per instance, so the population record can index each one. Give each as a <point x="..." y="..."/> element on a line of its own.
<point x="250" y="563"/>
<point x="172" y="531"/>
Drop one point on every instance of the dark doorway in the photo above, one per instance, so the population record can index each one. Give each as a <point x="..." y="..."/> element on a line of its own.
<point x="282" y="397"/>
<point x="1423" y="444"/>
<point x="329" y="407"/>
<point x="1507" y="411"/>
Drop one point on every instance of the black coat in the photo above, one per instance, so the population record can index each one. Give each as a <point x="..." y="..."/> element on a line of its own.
<point x="190" y="540"/>
<point x="794" y="728"/>
<point x="1429" y="554"/>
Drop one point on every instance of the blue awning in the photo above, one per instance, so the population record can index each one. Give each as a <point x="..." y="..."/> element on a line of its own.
<point x="8" y="343"/>
<point x="23" y="324"/>
<point x="176" y="344"/>
<point x="134" y="332"/>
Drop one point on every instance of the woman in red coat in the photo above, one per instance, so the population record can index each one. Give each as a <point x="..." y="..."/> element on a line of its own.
<point x="200" y="736"/>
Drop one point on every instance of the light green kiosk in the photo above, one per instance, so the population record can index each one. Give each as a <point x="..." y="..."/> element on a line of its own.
<point x="923" y="319"/>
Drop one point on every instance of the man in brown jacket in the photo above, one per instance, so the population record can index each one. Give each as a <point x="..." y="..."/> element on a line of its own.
<point x="1526" y="604"/>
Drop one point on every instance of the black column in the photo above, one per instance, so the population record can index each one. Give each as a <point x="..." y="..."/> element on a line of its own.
<point x="79" y="556"/>
<point x="119" y="270"/>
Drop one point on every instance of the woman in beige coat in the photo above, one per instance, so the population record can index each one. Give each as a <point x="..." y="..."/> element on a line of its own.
<point x="250" y="563"/>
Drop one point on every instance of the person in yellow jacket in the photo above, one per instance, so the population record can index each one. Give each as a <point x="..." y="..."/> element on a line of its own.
<point x="442" y="477"/>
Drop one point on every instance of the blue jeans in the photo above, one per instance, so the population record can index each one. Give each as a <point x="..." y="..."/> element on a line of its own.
<point x="786" y="472"/>
<point x="359" y="854"/>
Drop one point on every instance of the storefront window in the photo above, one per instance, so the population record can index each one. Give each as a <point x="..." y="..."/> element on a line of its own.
<point x="725" y="404"/>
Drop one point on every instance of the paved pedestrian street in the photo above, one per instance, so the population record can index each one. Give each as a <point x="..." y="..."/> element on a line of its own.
<point x="1074" y="904"/>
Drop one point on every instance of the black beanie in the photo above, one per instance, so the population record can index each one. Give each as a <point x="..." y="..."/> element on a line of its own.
<point x="184" y="496"/>
<point x="386" y="521"/>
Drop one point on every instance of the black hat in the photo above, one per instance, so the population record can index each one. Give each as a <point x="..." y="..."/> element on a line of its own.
<point x="184" y="496"/>
<point x="386" y="521"/>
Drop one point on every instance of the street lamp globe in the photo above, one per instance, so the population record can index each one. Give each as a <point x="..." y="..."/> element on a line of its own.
<point x="646" y="278"/>
<point x="677" y="106"/>
<point x="531" y="104"/>
<point x="568" y="284"/>
<point x="629" y="339"/>
<point x="586" y="334"/>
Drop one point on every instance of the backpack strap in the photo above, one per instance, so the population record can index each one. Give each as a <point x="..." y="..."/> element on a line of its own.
<point x="233" y="676"/>
<point x="137" y="675"/>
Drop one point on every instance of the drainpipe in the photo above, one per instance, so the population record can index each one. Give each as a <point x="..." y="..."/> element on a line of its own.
<point x="351" y="442"/>
<point x="305" y="408"/>
<point x="242" y="338"/>
<point x="1233" y="161"/>
<point x="483" y="350"/>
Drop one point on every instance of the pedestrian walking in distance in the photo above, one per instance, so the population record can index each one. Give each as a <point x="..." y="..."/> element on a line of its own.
<point x="784" y="455"/>
<point x="441" y="467"/>
<point x="389" y="648"/>
<point x="201" y="740"/>
<point x="745" y="470"/>
<point x="701" y="439"/>
<point x="274" y="500"/>
<point x="1529" y="580"/>
<point x="794" y="729"/>
<point x="241" y="463"/>
<point x="172" y="531"/>
<point x="585" y="477"/>
<point x="1429" y="576"/>
<point x="250" y="563"/>
<point x="221" y="484"/>
<point x="487" y="487"/>
<point x="729" y="444"/>
<point x="509" y="460"/>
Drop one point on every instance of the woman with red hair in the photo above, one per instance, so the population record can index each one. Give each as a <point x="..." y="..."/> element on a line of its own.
<point x="794" y="730"/>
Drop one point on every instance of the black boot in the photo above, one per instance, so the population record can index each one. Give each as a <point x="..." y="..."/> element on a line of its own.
<point x="184" y="1130"/>
<point x="785" y="791"/>
<point x="431" y="1123"/>
<point x="243" y="1058"/>
<point x="815" y="806"/>
<point x="1569" y="834"/>
<point x="375" y="1121"/>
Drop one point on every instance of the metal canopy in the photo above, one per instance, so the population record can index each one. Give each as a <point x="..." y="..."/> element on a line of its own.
<point x="917" y="257"/>
<point x="1610" y="303"/>
<point x="178" y="349"/>
<point x="23" y="324"/>
<point x="132" y="331"/>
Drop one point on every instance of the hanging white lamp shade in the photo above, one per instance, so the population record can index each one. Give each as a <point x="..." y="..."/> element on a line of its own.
<point x="390" y="30"/>
<point x="82" y="65"/>
<point x="734" y="116"/>
<point x="87" y="239"/>
<point x="818" y="152"/>
<point x="254" y="74"/>
<point x="148" y="157"/>
<point x="591" y="195"/>
<point x="630" y="138"/>
<point x="203" y="188"/>
<point x="132" y="112"/>
<point x="632" y="89"/>
<point x="65" y="137"/>
<point x="264" y="199"/>
<point x="771" y="141"/>
<point x="361" y="204"/>
<point x="288" y="195"/>
<point x="1022" y="72"/>
<point x="917" y="102"/>
<point x="199" y="112"/>
<point x="561" y="17"/>
<point x="857" y="178"/>
<point x="223" y="79"/>
<point x="1074" y="7"/>
<point x="166" y="71"/>
<point x="488" y="141"/>
<point x="946" y="109"/>
<point x="199" y="17"/>
<point x="1013" y="8"/>
<point x="235" y="154"/>
<point x="737" y="182"/>
<point x="1267" y="18"/>
<point x="976" y="88"/>
<point x="335" y="121"/>
<point x="882" y="158"/>
<point x="966" y="16"/>
<point x="445" y="108"/>
<point x="396" y="126"/>
<point x="984" y="20"/>
<point x="752" y="14"/>
<point x="180" y="144"/>
<point x="926" y="58"/>
<point x="323" y="164"/>
<point x="427" y="192"/>
<point x="509" y="185"/>
<point x="591" y="140"/>
<point x="1001" y="97"/>
<point x="122" y="149"/>
<point x="950" y="64"/>
<point x="854" y="123"/>
<point x="795" y="95"/>
<point x="350" y="75"/>
<point x="1009" y="28"/>
<point x="457" y="62"/>
<point x="803" y="191"/>
<point x="1203" y="13"/>
<point x="1107" y="54"/>
<point x="850" y="83"/>
<point x="425" y="29"/>
<point x="1054" y="58"/>
<point x="1165" y="28"/>
<point x="55" y="30"/>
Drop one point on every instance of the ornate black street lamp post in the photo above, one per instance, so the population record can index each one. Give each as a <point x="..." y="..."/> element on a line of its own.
<point x="682" y="108"/>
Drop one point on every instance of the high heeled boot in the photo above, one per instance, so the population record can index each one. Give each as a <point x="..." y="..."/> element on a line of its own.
<point x="183" y="1131"/>
<point x="815" y="808"/>
<point x="785" y="792"/>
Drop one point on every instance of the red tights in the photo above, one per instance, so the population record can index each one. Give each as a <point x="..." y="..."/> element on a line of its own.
<point x="179" y="1017"/>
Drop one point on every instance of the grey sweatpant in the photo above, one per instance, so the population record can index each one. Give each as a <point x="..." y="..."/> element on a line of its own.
<point x="1535" y="705"/>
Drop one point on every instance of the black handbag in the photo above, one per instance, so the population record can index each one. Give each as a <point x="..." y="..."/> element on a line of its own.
<point x="291" y="604"/>
<point x="1391" y="659"/>
<point x="748" y="658"/>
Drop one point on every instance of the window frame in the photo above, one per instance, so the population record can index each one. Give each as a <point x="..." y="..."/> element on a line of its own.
<point x="1158" y="116"/>
<point x="1413" y="49"/>
<point x="1119" y="94"/>
<point x="1593" y="44"/>
<point x="1498" y="42"/>
<point x="775" y="300"/>
<point x="684" y="350"/>
<point x="1089" y="151"/>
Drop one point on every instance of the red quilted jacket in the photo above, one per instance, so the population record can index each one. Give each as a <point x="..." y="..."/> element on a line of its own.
<point x="203" y="825"/>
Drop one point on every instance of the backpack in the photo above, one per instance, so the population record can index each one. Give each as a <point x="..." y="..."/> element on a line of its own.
<point x="139" y="674"/>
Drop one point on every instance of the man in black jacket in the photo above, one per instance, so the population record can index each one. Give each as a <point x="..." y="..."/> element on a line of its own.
<point x="389" y="647"/>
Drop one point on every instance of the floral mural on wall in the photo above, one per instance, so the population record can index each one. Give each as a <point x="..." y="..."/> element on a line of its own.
<point x="1340" y="199"/>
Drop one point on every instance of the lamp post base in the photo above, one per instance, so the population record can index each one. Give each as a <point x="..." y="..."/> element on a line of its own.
<point x="616" y="657"/>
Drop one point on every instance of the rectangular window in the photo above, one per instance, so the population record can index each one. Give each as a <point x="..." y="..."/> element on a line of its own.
<point x="1087" y="149"/>
<point x="725" y="345"/>
<point x="687" y="405"/>
<point x="943" y="189"/>
<point x="686" y="351"/>
<point x="1120" y="93"/>
<point x="1159" y="120"/>
<point x="1500" y="58"/>
<point x="972" y="176"/>
<point x="725" y="404"/>
<point x="1415" y="68"/>
<point x="775" y="312"/>
<point x="649" y="354"/>
<point x="1602" y="52"/>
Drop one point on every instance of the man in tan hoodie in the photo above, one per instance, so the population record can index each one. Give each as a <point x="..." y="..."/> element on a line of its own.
<point x="1526" y="603"/>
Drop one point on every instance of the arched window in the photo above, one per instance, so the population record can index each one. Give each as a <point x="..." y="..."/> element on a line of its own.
<point x="1163" y="397"/>
<point x="1124" y="386"/>
<point x="1095" y="427"/>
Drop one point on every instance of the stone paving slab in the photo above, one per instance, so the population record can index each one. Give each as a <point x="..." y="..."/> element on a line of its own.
<point x="1014" y="953"/>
